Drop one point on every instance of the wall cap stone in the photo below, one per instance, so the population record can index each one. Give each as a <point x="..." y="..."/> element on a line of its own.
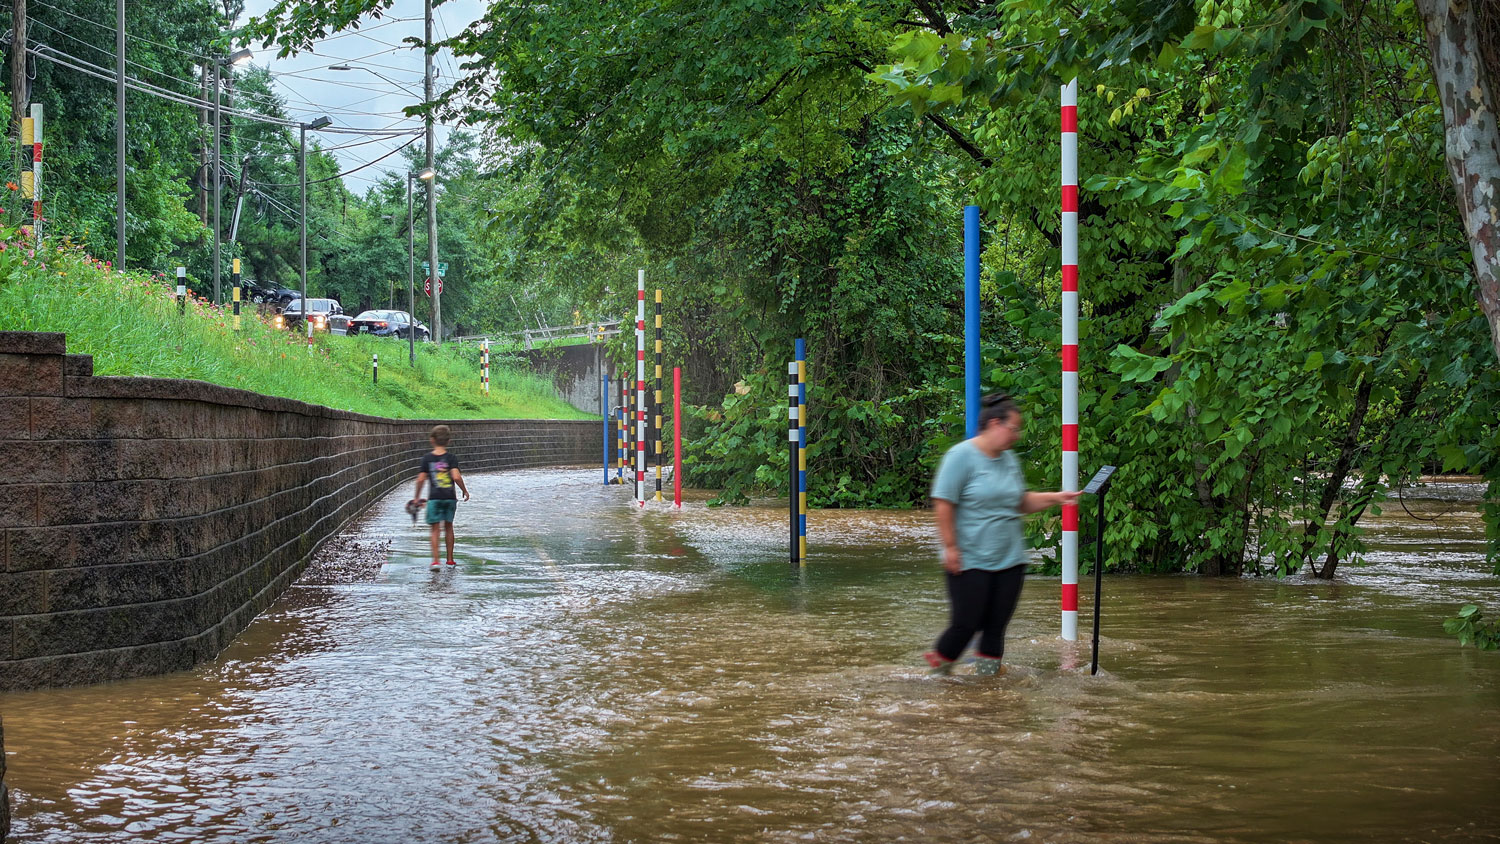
<point x="32" y="343"/>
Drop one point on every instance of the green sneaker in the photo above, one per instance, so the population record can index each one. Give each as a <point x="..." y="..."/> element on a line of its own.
<point x="988" y="666"/>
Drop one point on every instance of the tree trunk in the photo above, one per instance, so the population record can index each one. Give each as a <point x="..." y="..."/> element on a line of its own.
<point x="1472" y="139"/>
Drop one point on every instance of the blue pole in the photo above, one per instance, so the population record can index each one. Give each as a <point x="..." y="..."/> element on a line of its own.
<point x="971" y="320"/>
<point x="604" y="419"/>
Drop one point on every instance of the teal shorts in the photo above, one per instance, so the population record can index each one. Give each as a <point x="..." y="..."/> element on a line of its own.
<point x="441" y="510"/>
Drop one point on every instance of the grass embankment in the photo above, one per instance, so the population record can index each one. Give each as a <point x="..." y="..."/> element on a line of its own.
<point x="130" y="323"/>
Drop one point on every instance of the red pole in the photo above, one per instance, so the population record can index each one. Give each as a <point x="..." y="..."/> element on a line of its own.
<point x="677" y="436"/>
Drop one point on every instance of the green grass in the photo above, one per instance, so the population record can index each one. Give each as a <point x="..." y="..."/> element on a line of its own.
<point x="130" y="324"/>
<point x="540" y="344"/>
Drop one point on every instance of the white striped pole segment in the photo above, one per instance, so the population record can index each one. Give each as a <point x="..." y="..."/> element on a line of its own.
<point x="181" y="291"/>
<point x="36" y="172"/>
<point x="1070" y="357"/>
<point x="484" y="365"/>
<point x="658" y="394"/>
<point x="640" y="387"/>
<point x="375" y="368"/>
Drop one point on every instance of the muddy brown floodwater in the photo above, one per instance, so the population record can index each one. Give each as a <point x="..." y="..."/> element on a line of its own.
<point x="590" y="672"/>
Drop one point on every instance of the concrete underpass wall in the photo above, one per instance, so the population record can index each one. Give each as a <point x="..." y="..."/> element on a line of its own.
<point x="574" y="371"/>
<point x="147" y="521"/>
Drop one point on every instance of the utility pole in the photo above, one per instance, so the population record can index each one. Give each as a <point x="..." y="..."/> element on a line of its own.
<point x="432" y="250"/>
<point x="119" y="132"/>
<point x="217" y="169"/>
<point x="18" y="90"/>
<point x="18" y="62"/>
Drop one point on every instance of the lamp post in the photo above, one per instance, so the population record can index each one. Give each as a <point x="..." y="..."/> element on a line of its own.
<point x="377" y="73"/>
<point x="425" y="174"/>
<point x="235" y="59"/>
<point x="319" y="123"/>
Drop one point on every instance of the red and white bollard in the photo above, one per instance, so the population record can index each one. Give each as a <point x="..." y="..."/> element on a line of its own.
<point x="1070" y="357"/>
<point x="484" y="365"/>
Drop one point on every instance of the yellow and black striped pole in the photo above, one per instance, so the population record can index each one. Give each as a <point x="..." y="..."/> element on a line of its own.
<point x="28" y="136"/>
<point x="234" y="282"/>
<point x="658" y="394"/>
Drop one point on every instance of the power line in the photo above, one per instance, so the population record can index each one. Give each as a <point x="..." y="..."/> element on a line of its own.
<point x="369" y="163"/>
<point x="72" y="62"/>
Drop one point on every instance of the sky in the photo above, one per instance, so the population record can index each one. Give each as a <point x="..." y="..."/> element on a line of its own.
<point x="361" y="98"/>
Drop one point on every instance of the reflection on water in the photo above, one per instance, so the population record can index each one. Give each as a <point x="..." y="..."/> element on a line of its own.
<point x="591" y="672"/>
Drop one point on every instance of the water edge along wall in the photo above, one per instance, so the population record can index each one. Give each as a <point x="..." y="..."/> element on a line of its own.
<point x="146" y="521"/>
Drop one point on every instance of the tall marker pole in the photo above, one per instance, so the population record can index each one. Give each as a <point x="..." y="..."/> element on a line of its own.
<point x="640" y="387"/>
<point x="604" y="415"/>
<point x="28" y="178"/>
<point x="36" y="177"/>
<point x="794" y="445"/>
<point x="801" y="451"/>
<point x="677" y="437"/>
<point x="1070" y="357"/>
<point x="484" y="365"/>
<point x="621" y="449"/>
<point x="658" y="394"/>
<point x="971" y="320"/>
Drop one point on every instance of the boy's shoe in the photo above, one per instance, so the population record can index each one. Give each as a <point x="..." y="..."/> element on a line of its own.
<point x="436" y="565"/>
<point x="451" y="563"/>
<point x="939" y="665"/>
<point x="988" y="666"/>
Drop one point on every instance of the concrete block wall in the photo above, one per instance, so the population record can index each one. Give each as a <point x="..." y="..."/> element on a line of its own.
<point x="147" y="521"/>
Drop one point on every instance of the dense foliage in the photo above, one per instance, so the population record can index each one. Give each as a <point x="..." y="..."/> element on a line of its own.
<point x="1280" y="320"/>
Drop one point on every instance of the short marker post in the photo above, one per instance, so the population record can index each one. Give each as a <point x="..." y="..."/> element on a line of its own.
<point x="677" y="437"/>
<point x="484" y="365"/>
<point x="1098" y="485"/>
<point x="181" y="291"/>
<point x="375" y="368"/>
<point x="793" y="447"/>
<point x="234" y="282"/>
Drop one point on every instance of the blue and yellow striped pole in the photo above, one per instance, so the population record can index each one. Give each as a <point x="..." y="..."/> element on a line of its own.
<point x="801" y="451"/>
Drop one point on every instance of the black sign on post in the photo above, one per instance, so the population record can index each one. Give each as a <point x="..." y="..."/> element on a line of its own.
<point x="1098" y="485"/>
<point x="1099" y="481"/>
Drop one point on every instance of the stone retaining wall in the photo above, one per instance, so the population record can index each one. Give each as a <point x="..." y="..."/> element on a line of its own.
<point x="147" y="521"/>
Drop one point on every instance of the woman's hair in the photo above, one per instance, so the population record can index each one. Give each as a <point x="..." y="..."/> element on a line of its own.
<point x="996" y="406"/>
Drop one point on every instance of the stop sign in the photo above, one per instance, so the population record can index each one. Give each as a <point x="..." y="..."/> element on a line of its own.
<point x="427" y="286"/>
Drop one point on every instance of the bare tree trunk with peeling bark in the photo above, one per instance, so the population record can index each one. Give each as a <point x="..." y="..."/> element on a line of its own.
<point x="1466" y="88"/>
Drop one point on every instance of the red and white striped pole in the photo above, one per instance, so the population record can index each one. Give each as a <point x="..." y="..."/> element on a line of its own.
<point x="36" y="174"/>
<point x="640" y="387"/>
<point x="1070" y="357"/>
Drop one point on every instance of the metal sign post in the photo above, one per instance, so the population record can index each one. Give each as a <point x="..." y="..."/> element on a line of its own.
<point x="1097" y="486"/>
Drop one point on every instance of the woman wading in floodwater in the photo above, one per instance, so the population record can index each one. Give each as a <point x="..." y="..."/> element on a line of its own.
<point x="980" y="495"/>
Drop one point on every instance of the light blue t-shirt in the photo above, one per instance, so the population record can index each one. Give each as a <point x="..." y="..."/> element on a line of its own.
<point x="986" y="495"/>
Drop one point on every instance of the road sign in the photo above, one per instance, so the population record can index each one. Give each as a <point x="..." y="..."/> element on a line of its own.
<point x="427" y="286"/>
<point x="442" y="269"/>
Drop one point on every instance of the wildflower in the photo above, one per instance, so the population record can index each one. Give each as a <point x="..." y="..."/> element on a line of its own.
<point x="12" y="186"/>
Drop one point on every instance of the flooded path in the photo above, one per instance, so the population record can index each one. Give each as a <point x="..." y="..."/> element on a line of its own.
<point x="593" y="673"/>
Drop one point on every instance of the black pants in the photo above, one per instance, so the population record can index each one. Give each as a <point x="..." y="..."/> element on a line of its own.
<point x="982" y="602"/>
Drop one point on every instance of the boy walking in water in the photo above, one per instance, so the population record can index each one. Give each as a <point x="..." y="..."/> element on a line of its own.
<point x="441" y="470"/>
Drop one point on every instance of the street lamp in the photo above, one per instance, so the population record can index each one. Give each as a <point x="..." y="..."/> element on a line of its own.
<point x="316" y="124"/>
<point x="375" y="72"/>
<point x="425" y="174"/>
<point x="235" y="59"/>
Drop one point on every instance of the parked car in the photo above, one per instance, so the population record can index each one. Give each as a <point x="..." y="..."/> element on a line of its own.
<point x="283" y="296"/>
<point x="388" y="324"/>
<point x="339" y="323"/>
<point x="256" y="293"/>
<point x="319" y="311"/>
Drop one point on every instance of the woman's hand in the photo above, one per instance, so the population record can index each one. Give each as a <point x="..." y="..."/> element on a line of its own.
<point x="953" y="561"/>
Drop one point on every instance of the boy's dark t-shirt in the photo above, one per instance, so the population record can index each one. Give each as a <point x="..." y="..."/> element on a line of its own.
<point x="439" y="473"/>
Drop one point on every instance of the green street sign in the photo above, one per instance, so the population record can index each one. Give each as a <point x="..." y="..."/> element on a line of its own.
<point x="442" y="268"/>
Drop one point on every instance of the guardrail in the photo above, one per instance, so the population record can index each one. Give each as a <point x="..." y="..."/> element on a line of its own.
<point x="529" y="338"/>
